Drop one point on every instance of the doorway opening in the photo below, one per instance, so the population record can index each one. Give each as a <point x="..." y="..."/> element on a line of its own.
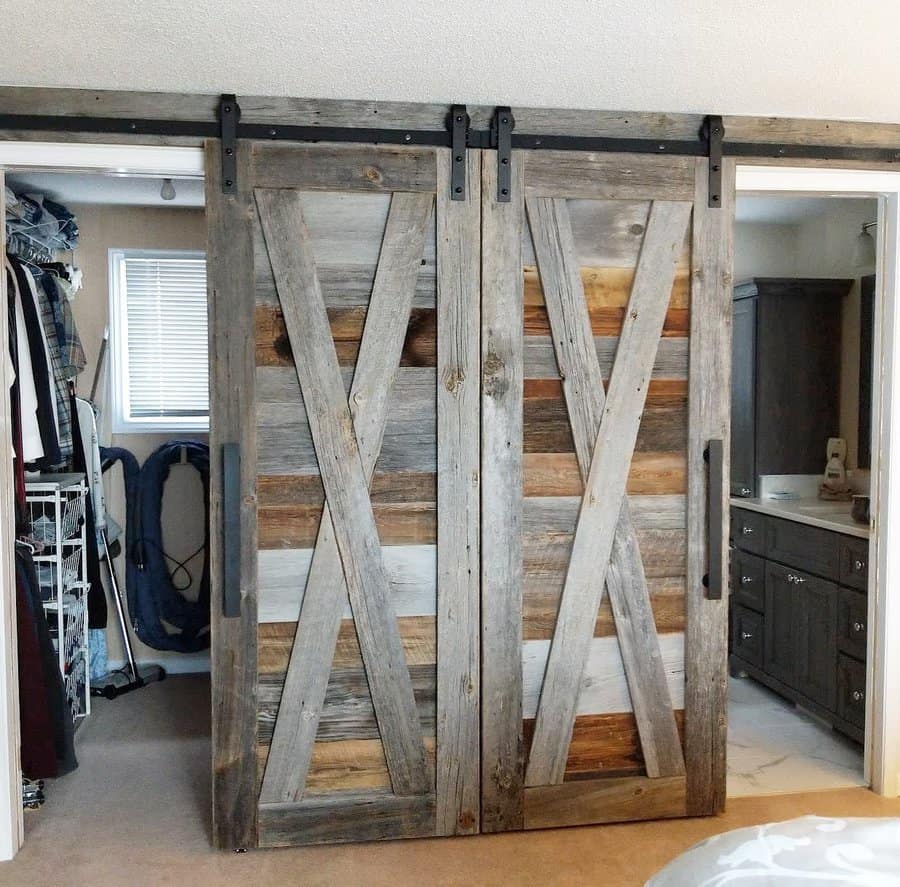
<point x="132" y="259"/>
<point x="814" y="258"/>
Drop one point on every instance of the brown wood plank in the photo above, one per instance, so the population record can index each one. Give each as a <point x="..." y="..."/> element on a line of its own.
<point x="597" y="537"/>
<point x="232" y="378"/>
<point x="622" y="799"/>
<point x="343" y="167"/>
<point x="347" y="324"/>
<point x="417" y="633"/>
<point x="349" y="765"/>
<point x="706" y="664"/>
<point x="286" y="526"/>
<point x="557" y="474"/>
<point x="459" y="495"/>
<point x="584" y="174"/>
<point x="386" y="488"/>
<point x="603" y="745"/>
<point x="608" y="288"/>
<point x="345" y="818"/>
<point x="663" y="426"/>
<point x="541" y="605"/>
<point x="345" y="479"/>
<point x="501" y="471"/>
<point x="606" y="321"/>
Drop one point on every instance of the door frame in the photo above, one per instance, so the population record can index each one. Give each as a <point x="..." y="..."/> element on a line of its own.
<point x="132" y="159"/>
<point x="882" y="733"/>
<point x="105" y="116"/>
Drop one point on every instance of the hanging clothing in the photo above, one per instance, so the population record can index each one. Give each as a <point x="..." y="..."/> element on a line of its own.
<point x="41" y="367"/>
<point x="32" y="445"/>
<point x="41" y="673"/>
<point x="61" y="383"/>
<point x="58" y="291"/>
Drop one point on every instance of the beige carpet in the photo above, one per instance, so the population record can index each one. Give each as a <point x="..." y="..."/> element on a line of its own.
<point x="136" y="813"/>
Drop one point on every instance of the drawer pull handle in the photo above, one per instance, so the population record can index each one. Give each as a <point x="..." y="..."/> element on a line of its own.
<point x="795" y="579"/>
<point x="858" y="695"/>
<point x="859" y="566"/>
<point x="747" y="531"/>
<point x="746" y="635"/>
<point x="859" y="626"/>
<point x="746" y="491"/>
<point x="746" y="580"/>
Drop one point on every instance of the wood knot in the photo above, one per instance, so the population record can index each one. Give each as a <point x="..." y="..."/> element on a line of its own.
<point x="495" y="385"/>
<point x="453" y="379"/>
<point x="636" y="229"/>
<point x="466" y="820"/>
<point x="372" y="174"/>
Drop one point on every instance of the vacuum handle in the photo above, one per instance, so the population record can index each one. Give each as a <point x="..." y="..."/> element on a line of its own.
<point x="714" y="580"/>
<point x="231" y="530"/>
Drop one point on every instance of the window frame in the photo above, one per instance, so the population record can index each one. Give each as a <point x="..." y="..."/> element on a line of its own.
<point x="119" y="389"/>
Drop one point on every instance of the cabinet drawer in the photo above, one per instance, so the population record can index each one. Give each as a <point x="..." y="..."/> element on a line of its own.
<point x="747" y="635"/>
<point x="852" y="620"/>
<point x="809" y="548"/>
<point x="748" y="530"/>
<point x="854" y="564"/>
<point x="851" y="680"/>
<point x="748" y="580"/>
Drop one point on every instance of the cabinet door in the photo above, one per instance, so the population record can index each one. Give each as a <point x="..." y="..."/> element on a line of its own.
<point x="816" y="648"/>
<point x="781" y="595"/>
<point x="743" y="398"/>
<point x="747" y="638"/>
<point x="748" y="580"/>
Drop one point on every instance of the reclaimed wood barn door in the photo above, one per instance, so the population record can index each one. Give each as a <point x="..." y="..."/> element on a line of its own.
<point x="346" y="363"/>
<point x="606" y="298"/>
<point x="460" y="511"/>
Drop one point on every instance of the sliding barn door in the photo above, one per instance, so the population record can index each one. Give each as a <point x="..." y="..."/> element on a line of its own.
<point x="346" y="364"/>
<point x="605" y="341"/>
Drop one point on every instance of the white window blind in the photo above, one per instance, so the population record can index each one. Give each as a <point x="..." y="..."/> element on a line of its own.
<point x="159" y="340"/>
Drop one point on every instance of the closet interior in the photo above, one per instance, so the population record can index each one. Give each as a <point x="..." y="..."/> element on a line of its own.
<point x="106" y="298"/>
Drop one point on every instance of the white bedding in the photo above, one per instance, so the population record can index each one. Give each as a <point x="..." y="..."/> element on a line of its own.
<point x="809" y="850"/>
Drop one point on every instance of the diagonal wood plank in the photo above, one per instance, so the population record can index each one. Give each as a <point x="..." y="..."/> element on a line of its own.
<point x="459" y="505"/>
<point x="605" y="484"/>
<point x="626" y="583"/>
<point x="306" y="679"/>
<point x="346" y="487"/>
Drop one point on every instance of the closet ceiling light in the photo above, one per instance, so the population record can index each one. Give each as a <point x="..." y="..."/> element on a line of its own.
<point x="167" y="192"/>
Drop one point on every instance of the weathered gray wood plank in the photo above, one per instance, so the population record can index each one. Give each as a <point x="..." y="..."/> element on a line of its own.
<point x="584" y="174"/>
<point x="705" y="719"/>
<point x="540" y="360"/>
<point x="340" y="818"/>
<point x="605" y="485"/>
<point x="232" y="379"/>
<point x="345" y="167"/>
<point x="346" y="486"/>
<point x="502" y="512"/>
<point x="459" y="501"/>
<point x="626" y="582"/>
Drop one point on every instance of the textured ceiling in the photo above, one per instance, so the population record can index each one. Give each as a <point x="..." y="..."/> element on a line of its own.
<point x="805" y="58"/>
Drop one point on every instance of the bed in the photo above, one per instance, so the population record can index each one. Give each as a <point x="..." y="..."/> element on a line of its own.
<point x="808" y="850"/>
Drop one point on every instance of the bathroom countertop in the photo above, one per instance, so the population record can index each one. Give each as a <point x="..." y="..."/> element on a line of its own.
<point x="834" y="516"/>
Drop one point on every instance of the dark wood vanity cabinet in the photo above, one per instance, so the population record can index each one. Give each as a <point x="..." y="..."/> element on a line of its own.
<point x="786" y="347"/>
<point x="799" y="614"/>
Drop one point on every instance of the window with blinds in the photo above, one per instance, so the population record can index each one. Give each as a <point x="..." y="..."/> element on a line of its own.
<point x="158" y="341"/>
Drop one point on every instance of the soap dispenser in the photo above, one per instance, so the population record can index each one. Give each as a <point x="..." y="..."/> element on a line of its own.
<point x="835" y="479"/>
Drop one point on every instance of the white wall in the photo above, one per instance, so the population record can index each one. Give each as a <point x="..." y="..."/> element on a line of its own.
<point x="183" y="518"/>
<point x="805" y="58"/>
<point x="819" y="246"/>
